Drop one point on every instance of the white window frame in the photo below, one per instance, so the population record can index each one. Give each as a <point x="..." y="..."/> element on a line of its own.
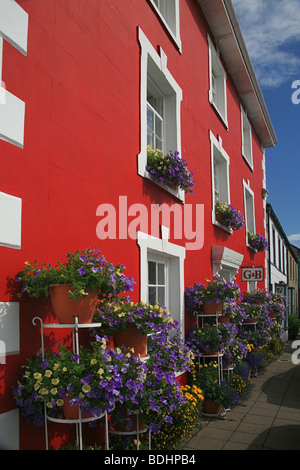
<point x="218" y="153"/>
<point x="154" y="65"/>
<point x="160" y="248"/>
<point x="246" y="139"/>
<point x="217" y="93"/>
<point x="168" y="12"/>
<point x="249" y="214"/>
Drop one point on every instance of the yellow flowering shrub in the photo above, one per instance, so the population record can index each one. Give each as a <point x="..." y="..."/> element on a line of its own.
<point x="185" y="418"/>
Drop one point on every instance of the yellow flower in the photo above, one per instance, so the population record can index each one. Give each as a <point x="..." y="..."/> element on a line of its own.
<point x="100" y="371"/>
<point x="53" y="391"/>
<point x="86" y="388"/>
<point x="59" y="402"/>
<point x="93" y="362"/>
<point x="48" y="373"/>
<point x="44" y="391"/>
<point x="55" y="381"/>
<point x="37" y="376"/>
<point x="65" y="369"/>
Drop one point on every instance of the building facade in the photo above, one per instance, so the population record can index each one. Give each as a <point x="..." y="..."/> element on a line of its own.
<point x="87" y="85"/>
<point x="293" y="282"/>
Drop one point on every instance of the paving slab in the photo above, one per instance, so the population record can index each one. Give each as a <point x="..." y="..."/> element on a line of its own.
<point x="269" y="419"/>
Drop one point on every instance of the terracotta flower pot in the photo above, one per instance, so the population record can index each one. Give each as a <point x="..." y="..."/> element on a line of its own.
<point x="211" y="352"/>
<point x="272" y="314"/>
<point x="72" y="411"/>
<point x="211" y="408"/>
<point x="211" y="308"/>
<point x="224" y="320"/>
<point x="131" y="338"/>
<point x="120" y="427"/>
<point x="66" y="309"/>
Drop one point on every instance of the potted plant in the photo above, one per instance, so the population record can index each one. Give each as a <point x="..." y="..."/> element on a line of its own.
<point x="169" y="170"/>
<point x="170" y="435"/>
<point x="62" y="381"/>
<point x="257" y="242"/>
<point x="130" y="322"/>
<point x="209" y="340"/>
<point x="159" y="396"/>
<point x="252" y="312"/>
<point x="212" y="295"/>
<point x="77" y="282"/>
<point x="227" y="215"/>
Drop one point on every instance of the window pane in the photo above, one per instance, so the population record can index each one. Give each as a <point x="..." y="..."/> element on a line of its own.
<point x="150" y="122"/>
<point x="161" y="273"/>
<point x="152" y="295"/>
<point x="150" y="139"/>
<point x="159" y="144"/>
<point x="161" y="295"/>
<point x="158" y="127"/>
<point x="151" y="272"/>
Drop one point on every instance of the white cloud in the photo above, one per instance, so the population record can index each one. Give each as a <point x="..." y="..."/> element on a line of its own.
<point x="272" y="34"/>
<point x="295" y="239"/>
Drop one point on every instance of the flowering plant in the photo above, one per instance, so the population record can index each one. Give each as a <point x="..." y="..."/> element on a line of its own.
<point x="235" y="351"/>
<point x="257" y="241"/>
<point x="120" y="314"/>
<point x="94" y="380"/>
<point x="230" y="216"/>
<point x="216" y="290"/>
<point x="209" y="337"/>
<point x="170" y="354"/>
<point x="170" y="168"/>
<point x="252" y="311"/>
<point x="160" y="394"/>
<point x="184" y="419"/>
<point x="85" y="270"/>
<point x="218" y="391"/>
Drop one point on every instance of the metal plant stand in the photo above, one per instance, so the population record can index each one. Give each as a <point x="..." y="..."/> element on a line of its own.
<point x="77" y="421"/>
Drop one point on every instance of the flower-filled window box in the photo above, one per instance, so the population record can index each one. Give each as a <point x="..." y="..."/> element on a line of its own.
<point x="169" y="170"/>
<point x="257" y="242"/>
<point x="227" y="215"/>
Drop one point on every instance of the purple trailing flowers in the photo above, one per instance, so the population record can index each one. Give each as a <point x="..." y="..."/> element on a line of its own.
<point x="169" y="169"/>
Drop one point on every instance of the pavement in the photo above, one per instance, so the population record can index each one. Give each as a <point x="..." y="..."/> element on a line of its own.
<point x="268" y="420"/>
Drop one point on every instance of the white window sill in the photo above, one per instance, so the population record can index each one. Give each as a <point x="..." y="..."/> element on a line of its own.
<point x="180" y="194"/>
<point x="224" y="120"/>
<point x="218" y="224"/>
<point x="250" y="165"/>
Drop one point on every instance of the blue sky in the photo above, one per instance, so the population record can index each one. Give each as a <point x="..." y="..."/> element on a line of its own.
<point x="271" y="29"/>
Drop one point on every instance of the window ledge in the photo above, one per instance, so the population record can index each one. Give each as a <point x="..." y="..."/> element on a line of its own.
<point x="180" y="194"/>
<point x="218" y="224"/>
<point x="224" y="121"/>
<point x="250" y="248"/>
<point x="250" y="165"/>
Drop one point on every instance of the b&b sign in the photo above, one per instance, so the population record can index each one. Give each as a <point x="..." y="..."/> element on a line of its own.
<point x="253" y="274"/>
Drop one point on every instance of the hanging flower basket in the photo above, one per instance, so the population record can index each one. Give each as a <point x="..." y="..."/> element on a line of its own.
<point x="66" y="308"/>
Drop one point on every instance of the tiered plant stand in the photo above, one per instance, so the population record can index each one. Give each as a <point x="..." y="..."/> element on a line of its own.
<point x="208" y="357"/>
<point x="138" y="431"/>
<point x="78" y="422"/>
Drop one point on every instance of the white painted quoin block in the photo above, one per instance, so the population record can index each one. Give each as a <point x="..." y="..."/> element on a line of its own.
<point x="10" y="221"/>
<point x="9" y="430"/>
<point x="9" y="329"/>
<point x="14" y="29"/>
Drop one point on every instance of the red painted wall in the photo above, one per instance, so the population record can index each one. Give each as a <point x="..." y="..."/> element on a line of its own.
<point x="81" y="83"/>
